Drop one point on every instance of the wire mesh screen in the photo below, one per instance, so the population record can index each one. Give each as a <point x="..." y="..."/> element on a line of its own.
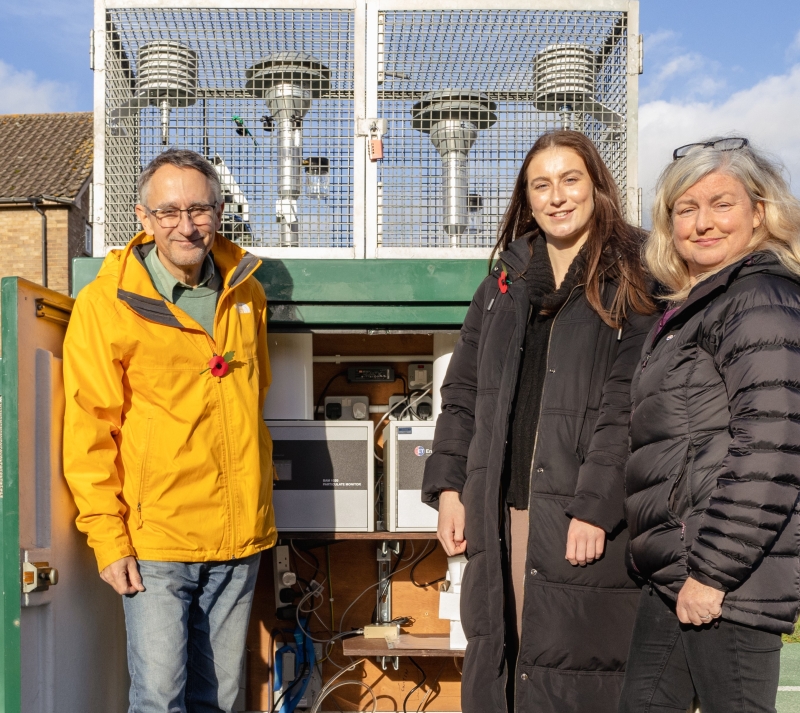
<point x="266" y="95"/>
<point x="466" y="93"/>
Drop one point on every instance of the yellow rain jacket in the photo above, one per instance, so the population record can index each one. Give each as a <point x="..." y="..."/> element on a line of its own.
<point x="165" y="462"/>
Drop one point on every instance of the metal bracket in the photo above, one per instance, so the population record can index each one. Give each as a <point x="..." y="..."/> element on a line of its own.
<point x="384" y="594"/>
<point x="370" y="127"/>
<point x="51" y="311"/>
<point x="394" y="659"/>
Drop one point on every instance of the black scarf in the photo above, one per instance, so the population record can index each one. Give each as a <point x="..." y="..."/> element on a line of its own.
<point x="545" y="303"/>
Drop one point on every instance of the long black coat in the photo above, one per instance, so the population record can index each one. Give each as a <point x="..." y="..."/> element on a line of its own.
<point x="577" y="621"/>
<point x="714" y="474"/>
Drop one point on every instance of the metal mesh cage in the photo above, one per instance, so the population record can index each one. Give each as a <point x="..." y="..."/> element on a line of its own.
<point x="537" y="70"/>
<point x="152" y="95"/>
<point x="268" y="95"/>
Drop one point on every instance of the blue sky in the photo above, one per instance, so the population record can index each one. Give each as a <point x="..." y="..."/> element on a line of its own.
<point x="710" y="67"/>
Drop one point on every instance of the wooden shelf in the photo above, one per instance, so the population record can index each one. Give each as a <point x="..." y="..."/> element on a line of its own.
<point x="357" y="535"/>
<point x="416" y="645"/>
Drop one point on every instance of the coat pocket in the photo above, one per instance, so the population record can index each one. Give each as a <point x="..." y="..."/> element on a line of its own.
<point x="142" y="473"/>
<point x="475" y="597"/>
<point x="680" y="497"/>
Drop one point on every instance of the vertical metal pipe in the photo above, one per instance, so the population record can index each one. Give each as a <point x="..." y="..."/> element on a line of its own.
<point x="164" y="106"/>
<point x="35" y="205"/>
<point x="290" y="156"/>
<point x="456" y="195"/>
<point x="453" y="139"/>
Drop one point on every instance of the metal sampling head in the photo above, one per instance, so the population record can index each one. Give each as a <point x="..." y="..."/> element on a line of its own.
<point x="166" y="78"/>
<point x="288" y="81"/>
<point x="564" y="82"/>
<point x="453" y="118"/>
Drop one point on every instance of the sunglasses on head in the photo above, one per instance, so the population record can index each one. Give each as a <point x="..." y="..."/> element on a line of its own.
<point x="732" y="144"/>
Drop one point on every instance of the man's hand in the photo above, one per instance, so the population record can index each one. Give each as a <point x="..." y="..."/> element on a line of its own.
<point x="451" y="523"/>
<point x="698" y="604"/>
<point x="123" y="575"/>
<point x="585" y="543"/>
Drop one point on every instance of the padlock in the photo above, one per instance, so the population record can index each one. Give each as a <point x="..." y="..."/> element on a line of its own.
<point x="376" y="149"/>
<point x="375" y="144"/>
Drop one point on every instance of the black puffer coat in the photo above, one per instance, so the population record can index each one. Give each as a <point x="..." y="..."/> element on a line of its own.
<point x="577" y="621"/>
<point x="713" y="478"/>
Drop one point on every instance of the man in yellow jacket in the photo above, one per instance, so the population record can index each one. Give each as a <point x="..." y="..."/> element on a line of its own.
<point x="165" y="449"/>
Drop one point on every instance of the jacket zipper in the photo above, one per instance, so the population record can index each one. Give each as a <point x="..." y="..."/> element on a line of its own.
<point x="142" y="469"/>
<point x="530" y="476"/>
<point x="229" y="474"/>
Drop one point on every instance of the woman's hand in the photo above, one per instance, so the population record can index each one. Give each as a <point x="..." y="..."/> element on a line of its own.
<point x="450" y="530"/>
<point x="698" y="604"/>
<point x="585" y="543"/>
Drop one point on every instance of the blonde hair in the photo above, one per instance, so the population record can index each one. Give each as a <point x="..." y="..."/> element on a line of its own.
<point x="779" y="231"/>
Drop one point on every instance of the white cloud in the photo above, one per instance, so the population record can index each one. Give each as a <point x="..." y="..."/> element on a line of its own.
<point x="672" y="70"/>
<point x="658" y="38"/>
<point x="767" y="113"/>
<point x="22" y="92"/>
<point x="793" y="50"/>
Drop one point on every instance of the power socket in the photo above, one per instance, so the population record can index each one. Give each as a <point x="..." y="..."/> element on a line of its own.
<point x="288" y="664"/>
<point x="346" y="408"/>
<point x="423" y="409"/>
<point x="283" y="576"/>
<point x="419" y="375"/>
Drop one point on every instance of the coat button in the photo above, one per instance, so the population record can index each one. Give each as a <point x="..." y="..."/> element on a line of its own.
<point x="552" y="371"/>
<point x="524" y="676"/>
<point x="540" y="470"/>
<point x="534" y="572"/>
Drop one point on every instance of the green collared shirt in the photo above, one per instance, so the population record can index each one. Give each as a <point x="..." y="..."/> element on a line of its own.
<point x="200" y="302"/>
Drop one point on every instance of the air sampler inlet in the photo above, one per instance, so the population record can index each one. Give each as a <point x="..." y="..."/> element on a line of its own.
<point x="288" y="82"/>
<point x="453" y="118"/>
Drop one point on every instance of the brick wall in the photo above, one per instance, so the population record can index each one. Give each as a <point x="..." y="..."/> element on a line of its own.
<point x="21" y="242"/>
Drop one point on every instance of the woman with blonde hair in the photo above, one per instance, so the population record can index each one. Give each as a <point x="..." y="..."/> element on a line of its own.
<point x="713" y="477"/>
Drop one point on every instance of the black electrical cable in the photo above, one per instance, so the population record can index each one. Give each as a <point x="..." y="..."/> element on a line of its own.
<point x="325" y="391"/>
<point x="419" y="685"/>
<point x="405" y="383"/>
<point x="422" y="585"/>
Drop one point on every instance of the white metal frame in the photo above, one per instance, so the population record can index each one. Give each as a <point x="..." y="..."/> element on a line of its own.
<point x="365" y="105"/>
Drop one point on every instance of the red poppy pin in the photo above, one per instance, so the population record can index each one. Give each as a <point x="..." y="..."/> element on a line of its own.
<point x="502" y="282"/>
<point x="219" y="365"/>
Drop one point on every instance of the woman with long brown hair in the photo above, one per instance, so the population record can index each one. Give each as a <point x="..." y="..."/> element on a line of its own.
<point x="530" y="447"/>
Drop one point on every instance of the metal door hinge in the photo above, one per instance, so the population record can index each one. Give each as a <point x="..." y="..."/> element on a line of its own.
<point x="641" y="54"/>
<point x="38" y="577"/>
<point x="46" y="309"/>
<point x="639" y="207"/>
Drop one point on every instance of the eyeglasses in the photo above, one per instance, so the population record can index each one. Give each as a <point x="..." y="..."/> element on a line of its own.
<point x="201" y="215"/>
<point x="719" y="144"/>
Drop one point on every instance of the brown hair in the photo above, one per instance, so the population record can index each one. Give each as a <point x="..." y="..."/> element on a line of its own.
<point x="613" y="249"/>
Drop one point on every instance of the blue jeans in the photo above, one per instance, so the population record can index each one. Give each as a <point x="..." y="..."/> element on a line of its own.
<point x="186" y="635"/>
<point x="730" y="667"/>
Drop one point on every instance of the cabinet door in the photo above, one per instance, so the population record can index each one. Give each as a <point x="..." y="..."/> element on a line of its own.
<point x="63" y="645"/>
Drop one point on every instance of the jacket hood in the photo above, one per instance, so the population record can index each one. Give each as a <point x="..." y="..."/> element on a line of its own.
<point x="136" y="289"/>
<point x="517" y="255"/>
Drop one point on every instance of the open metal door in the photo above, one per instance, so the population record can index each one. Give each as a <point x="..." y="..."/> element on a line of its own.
<point x="63" y="645"/>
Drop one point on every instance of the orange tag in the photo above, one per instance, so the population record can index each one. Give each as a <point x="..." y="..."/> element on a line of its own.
<point x="375" y="149"/>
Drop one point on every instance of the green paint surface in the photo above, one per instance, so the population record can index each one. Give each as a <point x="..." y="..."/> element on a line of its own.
<point x="10" y="668"/>
<point x="356" y="293"/>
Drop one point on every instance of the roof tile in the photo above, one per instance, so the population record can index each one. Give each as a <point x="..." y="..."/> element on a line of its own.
<point x="45" y="154"/>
